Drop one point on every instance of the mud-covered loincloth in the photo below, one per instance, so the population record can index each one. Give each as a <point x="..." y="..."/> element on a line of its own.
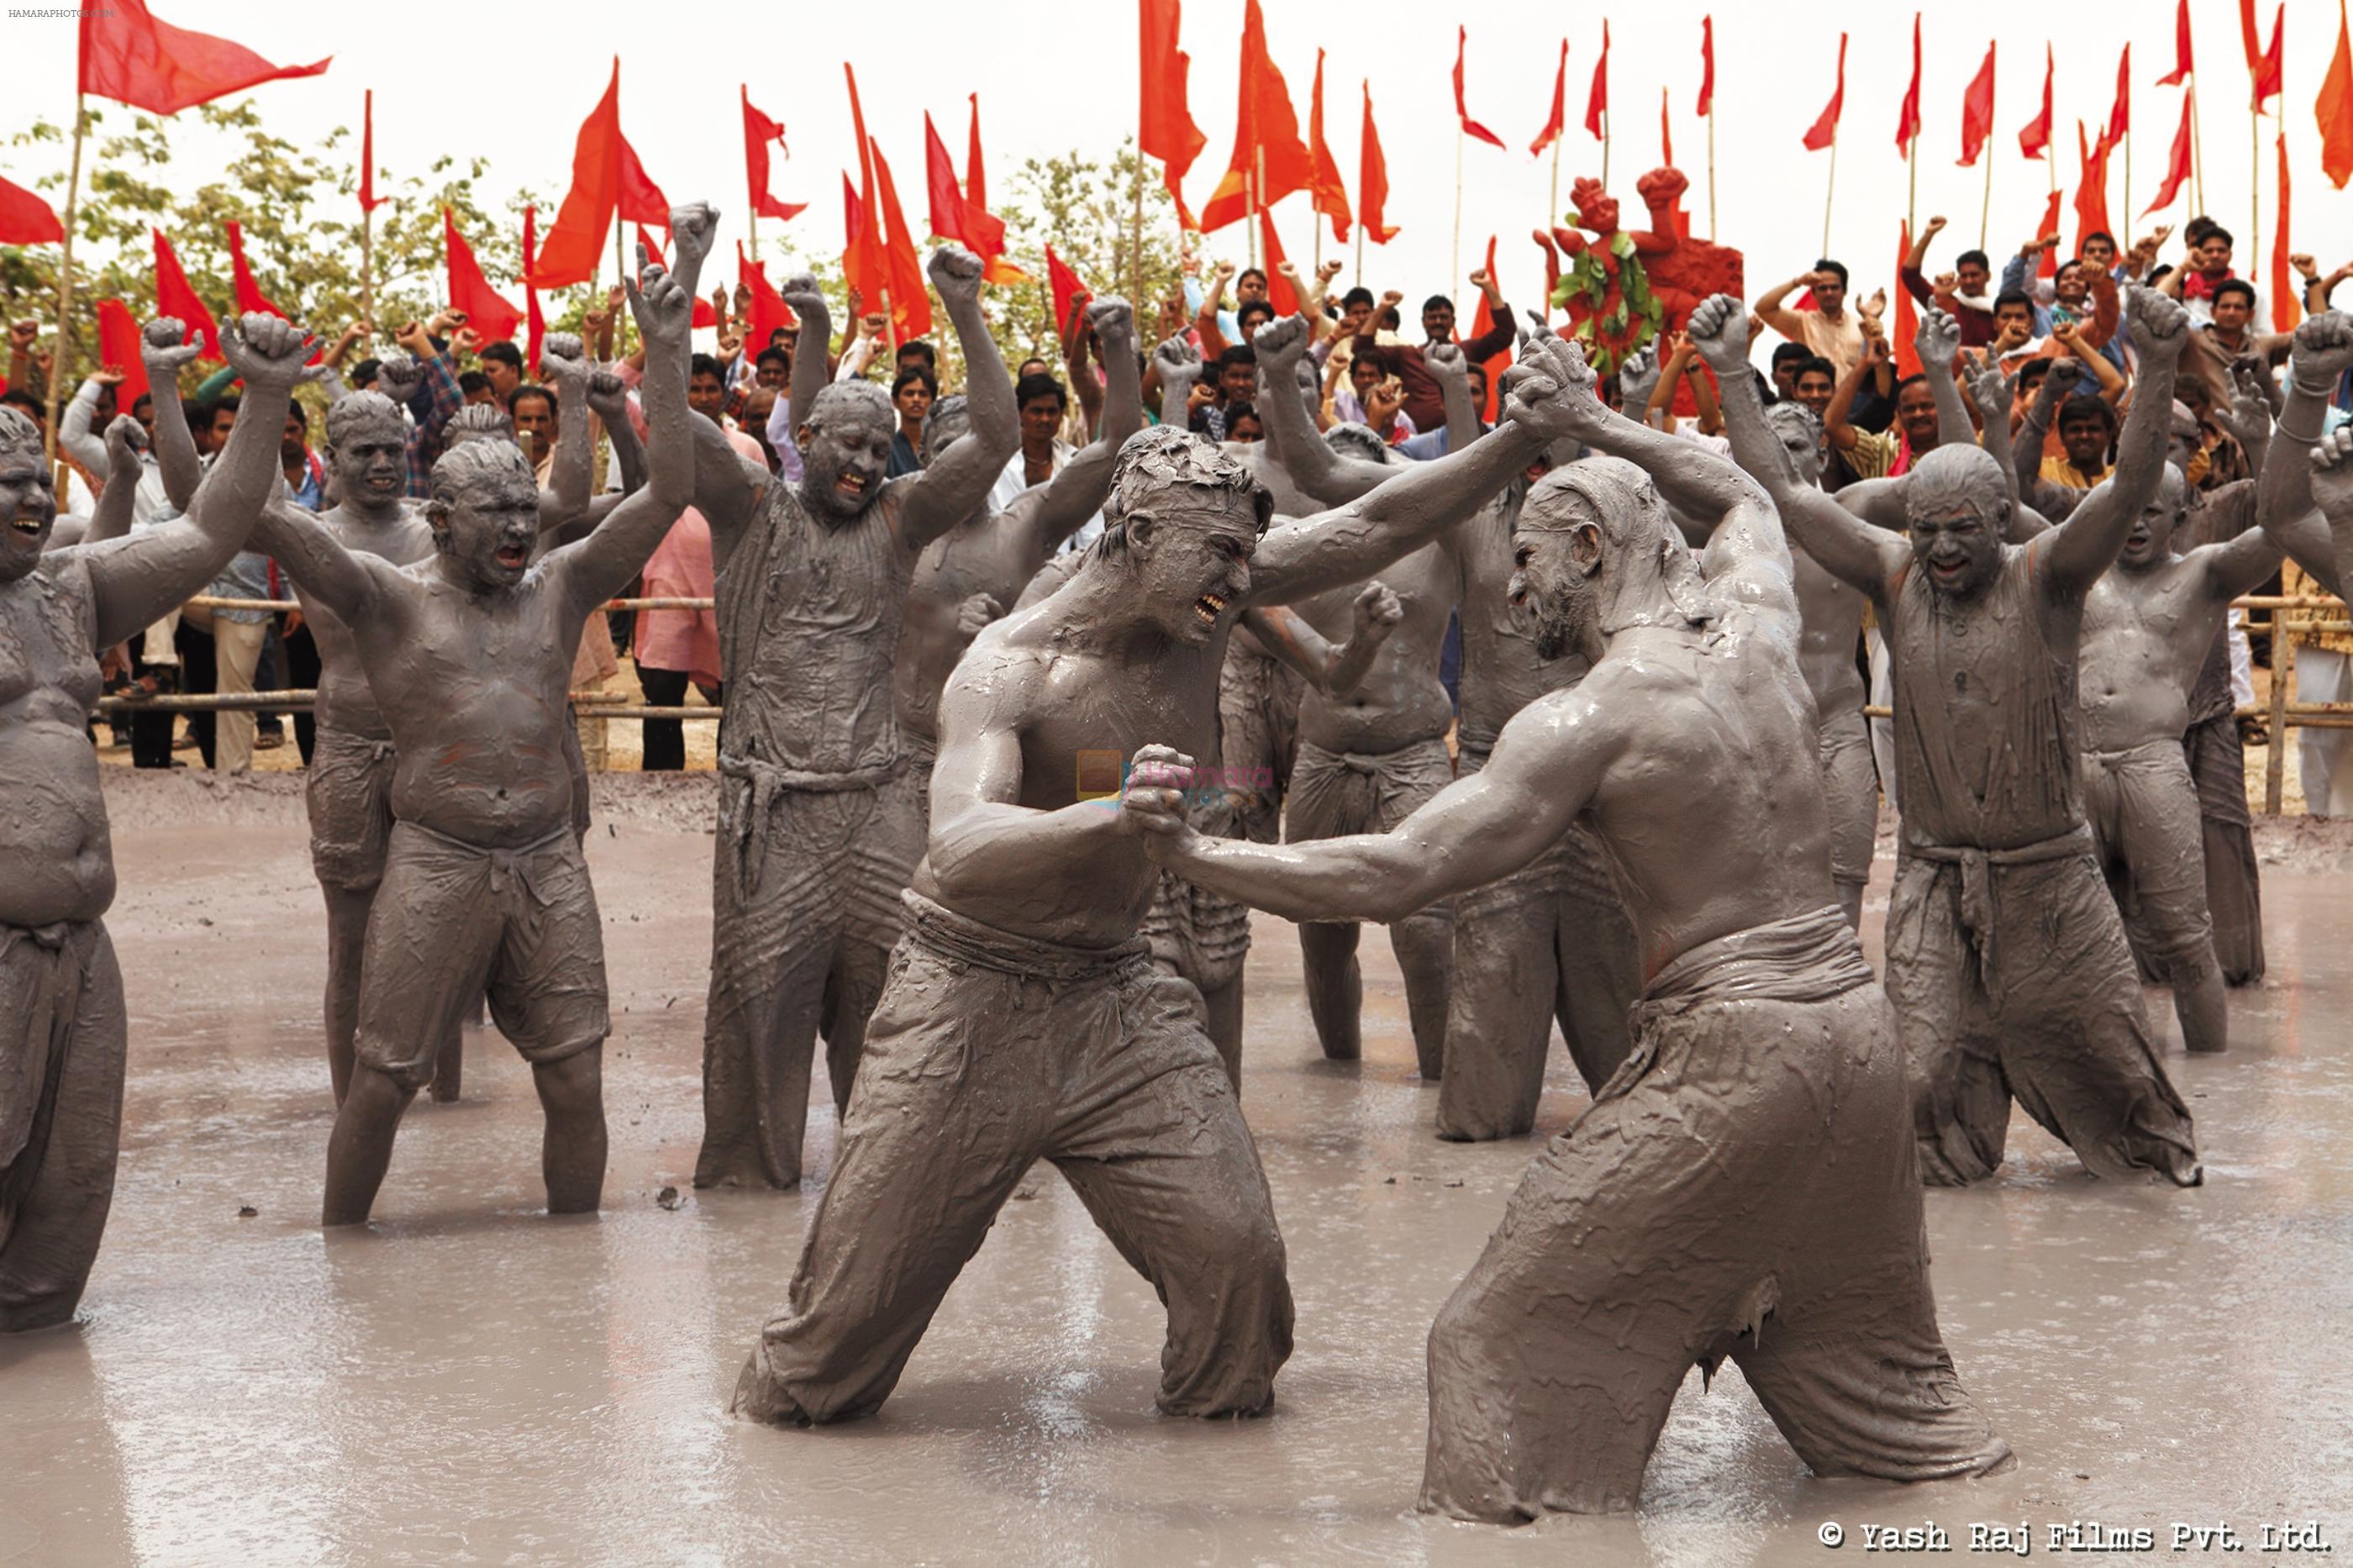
<point x="1334" y="794"/>
<point x="1744" y="1185"/>
<point x="43" y="972"/>
<point x="452" y="920"/>
<point x="2142" y="808"/>
<point x="1191" y="930"/>
<point x="349" y="793"/>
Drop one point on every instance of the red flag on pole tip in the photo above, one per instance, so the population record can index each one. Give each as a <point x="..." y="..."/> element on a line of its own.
<point x="486" y="311"/>
<point x="368" y="200"/>
<point x="175" y="298"/>
<point x="2183" y="68"/>
<point x="1558" y="119"/>
<point x="2120" y="113"/>
<point x="1907" y="118"/>
<point x="2333" y="107"/>
<point x="759" y="131"/>
<point x="1471" y="127"/>
<point x="1165" y="128"/>
<point x="2049" y="229"/>
<point x="1597" y="97"/>
<point x="1065" y="287"/>
<point x="1372" y="178"/>
<point x="984" y="231"/>
<point x="574" y="249"/>
<point x="117" y="349"/>
<point x="25" y="218"/>
<point x="2269" y="65"/>
<point x="1977" y="111"/>
<point x="1331" y="197"/>
<point x="1825" y="127"/>
<point x="251" y="300"/>
<point x="947" y="202"/>
<point x="2177" y="171"/>
<point x="1270" y="161"/>
<point x="1706" y="104"/>
<point x="2034" y="141"/>
<point x="130" y="56"/>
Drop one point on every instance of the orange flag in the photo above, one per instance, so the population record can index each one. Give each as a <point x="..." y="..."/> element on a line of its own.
<point x="1269" y="157"/>
<point x="251" y="300"/>
<point x="2091" y="192"/>
<point x="1706" y="105"/>
<point x="1976" y="112"/>
<point x="130" y="56"/>
<point x="1825" y="126"/>
<point x="2287" y="310"/>
<point x="2269" y="79"/>
<point x="984" y="230"/>
<point x="2183" y="67"/>
<point x="2120" y="113"/>
<point x="1908" y="313"/>
<point x="534" y="318"/>
<point x="1331" y="197"/>
<point x="910" y="302"/>
<point x="175" y="298"/>
<point x="946" y="218"/>
<point x="862" y="270"/>
<point x="2334" y="109"/>
<point x="1279" y="291"/>
<point x="25" y="218"/>
<point x="2048" y="229"/>
<point x="1597" y="97"/>
<point x="575" y="246"/>
<point x="487" y="312"/>
<point x="1471" y="127"/>
<point x="2034" y="141"/>
<point x="1907" y="118"/>
<point x="1558" y="119"/>
<point x="2177" y="171"/>
<point x="368" y="200"/>
<point x="1372" y="178"/>
<point x="1165" y="129"/>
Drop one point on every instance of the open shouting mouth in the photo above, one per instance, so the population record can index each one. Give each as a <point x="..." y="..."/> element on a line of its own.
<point x="851" y="486"/>
<point x="513" y="557"/>
<point x="1208" y="606"/>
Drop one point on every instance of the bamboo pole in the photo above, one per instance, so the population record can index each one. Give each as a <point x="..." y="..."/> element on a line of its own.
<point x="2283" y="676"/>
<point x="1605" y="148"/>
<point x="2197" y="146"/>
<point x="1454" y="263"/>
<point x="368" y="265"/>
<point x="1136" y="237"/>
<point x="61" y="363"/>
<point x="2254" y="188"/>
<point x="1552" y="207"/>
<point x="1828" y="191"/>
<point x="1985" y="208"/>
<point x="1711" y="170"/>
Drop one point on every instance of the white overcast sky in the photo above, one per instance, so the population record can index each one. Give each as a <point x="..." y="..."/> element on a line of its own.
<point x="513" y="81"/>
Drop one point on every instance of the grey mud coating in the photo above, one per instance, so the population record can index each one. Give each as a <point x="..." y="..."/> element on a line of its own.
<point x="1666" y="1228"/>
<point x="63" y="1030"/>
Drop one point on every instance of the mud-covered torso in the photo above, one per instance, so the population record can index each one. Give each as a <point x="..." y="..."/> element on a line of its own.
<point x="980" y="555"/>
<point x="809" y="619"/>
<point x="1502" y="670"/>
<point x="2148" y="636"/>
<point x="344" y="702"/>
<point x="1986" y="723"/>
<point x="1400" y="699"/>
<point x="1831" y="611"/>
<point x="53" y="835"/>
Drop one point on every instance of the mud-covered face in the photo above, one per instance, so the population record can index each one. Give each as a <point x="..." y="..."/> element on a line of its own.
<point x="1959" y="544"/>
<point x="1192" y="560"/>
<point x="29" y="508"/>
<point x="843" y="460"/>
<point x="370" y="463"/>
<point x="2150" y="542"/>
<point x="943" y="428"/>
<point x="1805" y="453"/>
<point x="487" y="527"/>
<point x="1556" y="574"/>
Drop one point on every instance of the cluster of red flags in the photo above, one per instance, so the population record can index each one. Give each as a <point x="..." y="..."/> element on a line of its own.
<point x="961" y="213"/>
<point x="607" y="180"/>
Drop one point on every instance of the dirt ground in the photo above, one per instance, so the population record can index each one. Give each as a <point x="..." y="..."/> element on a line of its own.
<point x="470" y="1381"/>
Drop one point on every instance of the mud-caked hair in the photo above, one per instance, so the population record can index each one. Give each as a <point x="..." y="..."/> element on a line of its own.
<point x="1356" y="440"/>
<point x="1161" y="457"/>
<point x="1637" y="532"/>
<point x="1791" y="412"/>
<point x="346" y="414"/>
<point x="15" y="429"/>
<point x="474" y="465"/>
<point x="851" y="399"/>
<point x="480" y="422"/>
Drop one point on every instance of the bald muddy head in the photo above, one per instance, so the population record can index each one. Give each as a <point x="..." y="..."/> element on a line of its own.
<point x="485" y="514"/>
<point x="2150" y="542"/>
<point x="28" y="499"/>
<point x="1800" y="435"/>
<point x="1959" y="508"/>
<point x="1596" y="551"/>
<point x="1351" y="439"/>
<point x="367" y="451"/>
<point x="951" y="418"/>
<point x="845" y="442"/>
<point x="1181" y="525"/>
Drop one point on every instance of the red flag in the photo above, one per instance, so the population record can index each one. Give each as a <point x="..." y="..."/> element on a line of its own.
<point x="946" y="215"/>
<point x="1269" y="158"/>
<point x="1373" y="177"/>
<point x="1559" y="117"/>
<point x="638" y="199"/>
<point x="250" y="300"/>
<point x="2268" y="69"/>
<point x="769" y="310"/>
<point x="1825" y="128"/>
<point x="1597" y="97"/>
<point x="128" y="56"/>
<point x="2182" y="67"/>
<point x="367" y="152"/>
<point x="1908" y="313"/>
<point x="1165" y="129"/>
<point x="2334" y="109"/>
<point x="2177" y="169"/>
<point x="25" y="218"/>
<point x="1907" y="118"/>
<point x="984" y="231"/>
<point x="118" y="346"/>
<point x="535" y="319"/>
<point x="1064" y="285"/>
<point x="2091" y="192"/>
<point x="2049" y="229"/>
<point x="1976" y="112"/>
<point x="1666" y="133"/>
<point x="575" y="246"/>
<point x="2287" y="310"/>
<point x="1482" y="321"/>
<point x="758" y="131"/>
<point x="1471" y="127"/>
<point x="2120" y="113"/>
<point x="873" y="260"/>
<point x="1706" y="66"/>
<point x="2248" y="38"/>
<point x="2034" y="141"/>
<point x="1279" y="291"/>
<point x="491" y="316"/>
<point x="862" y="272"/>
<point x="910" y="302"/>
<point x="175" y="298"/>
<point x="705" y="316"/>
<point x="1331" y="197"/>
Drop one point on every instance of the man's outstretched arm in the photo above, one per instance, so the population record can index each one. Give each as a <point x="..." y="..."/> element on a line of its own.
<point x="1938" y="343"/>
<point x="959" y="478"/>
<point x="2331" y="463"/>
<point x="163" y="353"/>
<point x="1313" y="465"/>
<point x="2080" y="548"/>
<point x="341" y="580"/>
<point x="1333" y="669"/>
<point x="1845" y="546"/>
<point x="2322" y="352"/>
<point x="1065" y="502"/>
<point x="1545" y="766"/>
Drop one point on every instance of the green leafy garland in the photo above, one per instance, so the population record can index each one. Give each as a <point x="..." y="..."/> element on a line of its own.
<point x="1611" y="334"/>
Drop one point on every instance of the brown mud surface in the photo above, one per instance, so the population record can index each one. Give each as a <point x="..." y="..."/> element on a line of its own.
<point x="467" y="1381"/>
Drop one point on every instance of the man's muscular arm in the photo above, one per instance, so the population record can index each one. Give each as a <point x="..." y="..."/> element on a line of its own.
<point x="601" y="564"/>
<point x="1065" y="502"/>
<point x="959" y="478"/>
<point x="2322" y="353"/>
<point x="1313" y="465"/>
<point x="1335" y="670"/>
<point x="163" y="353"/>
<point x="344" y="581"/>
<point x="564" y="362"/>
<point x="1938" y="342"/>
<point x="2332" y="486"/>
<point x="1544" y="769"/>
<point x="111" y="517"/>
<point x="2080" y="548"/>
<point x="1845" y="544"/>
<point x="135" y="580"/>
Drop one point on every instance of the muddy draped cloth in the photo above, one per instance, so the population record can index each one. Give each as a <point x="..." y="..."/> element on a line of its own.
<point x="988" y="1052"/>
<point x="2143" y="813"/>
<point x="2007" y="964"/>
<point x="808" y="865"/>
<point x="61" y="1054"/>
<point x="1550" y="941"/>
<point x="1669" y="1227"/>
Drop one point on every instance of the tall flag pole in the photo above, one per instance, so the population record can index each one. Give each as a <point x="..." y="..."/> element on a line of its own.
<point x="1596" y="102"/>
<point x="1550" y="135"/>
<point x="367" y="207"/>
<point x="1824" y="133"/>
<point x="1977" y="130"/>
<point x="2120" y="118"/>
<point x="1707" y="108"/>
<point x="1908" y="128"/>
